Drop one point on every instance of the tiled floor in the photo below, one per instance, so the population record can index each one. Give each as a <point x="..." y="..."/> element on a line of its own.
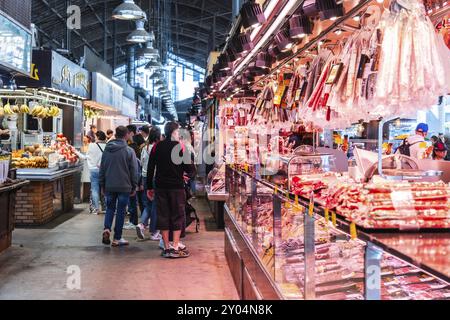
<point x="36" y="266"/>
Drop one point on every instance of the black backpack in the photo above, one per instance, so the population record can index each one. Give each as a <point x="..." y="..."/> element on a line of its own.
<point x="404" y="148"/>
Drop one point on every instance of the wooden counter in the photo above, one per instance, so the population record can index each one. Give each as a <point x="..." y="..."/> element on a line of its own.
<point x="8" y="205"/>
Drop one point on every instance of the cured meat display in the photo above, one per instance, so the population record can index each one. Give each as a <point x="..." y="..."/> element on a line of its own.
<point x="418" y="205"/>
<point x="339" y="267"/>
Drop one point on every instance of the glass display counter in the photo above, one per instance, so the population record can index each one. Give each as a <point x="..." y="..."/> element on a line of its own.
<point x="281" y="247"/>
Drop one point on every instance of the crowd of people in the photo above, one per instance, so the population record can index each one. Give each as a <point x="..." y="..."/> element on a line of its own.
<point x="137" y="171"/>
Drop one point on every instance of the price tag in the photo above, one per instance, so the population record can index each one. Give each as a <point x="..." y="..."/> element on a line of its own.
<point x="287" y="204"/>
<point x="333" y="218"/>
<point x="311" y="209"/>
<point x="327" y="215"/>
<point x="353" y="234"/>
<point x="311" y="205"/>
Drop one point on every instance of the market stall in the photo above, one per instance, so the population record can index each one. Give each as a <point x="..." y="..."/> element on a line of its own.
<point x="303" y="221"/>
<point x="44" y="114"/>
<point x="52" y="172"/>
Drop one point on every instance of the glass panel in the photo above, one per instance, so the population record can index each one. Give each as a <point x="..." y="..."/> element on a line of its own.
<point x="263" y="225"/>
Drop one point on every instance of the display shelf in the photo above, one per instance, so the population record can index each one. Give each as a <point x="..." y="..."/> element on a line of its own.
<point x="417" y="254"/>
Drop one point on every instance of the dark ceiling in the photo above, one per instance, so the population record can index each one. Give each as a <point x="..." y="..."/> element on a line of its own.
<point x="189" y="23"/>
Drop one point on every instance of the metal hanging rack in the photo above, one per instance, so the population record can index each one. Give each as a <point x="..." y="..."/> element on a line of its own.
<point x="37" y="95"/>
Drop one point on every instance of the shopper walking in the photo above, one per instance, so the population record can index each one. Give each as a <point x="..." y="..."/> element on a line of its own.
<point x="93" y="157"/>
<point x="109" y="135"/>
<point x="149" y="212"/>
<point x="170" y="163"/>
<point x="135" y="141"/>
<point x="118" y="177"/>
<point x="92" y="132"/>
<point x="145" y="132"/>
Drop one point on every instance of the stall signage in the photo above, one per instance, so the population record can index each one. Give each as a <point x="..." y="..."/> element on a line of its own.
<point x="69" y="76"/>
<point x="129" y="108"/>
<point x="107" y="92"/>
<point x="16" y="45"/>
<point x="51" y="70"/>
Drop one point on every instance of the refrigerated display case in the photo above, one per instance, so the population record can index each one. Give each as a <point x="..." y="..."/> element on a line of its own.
<point x="279" y="246"/>
<point x="217" y="195"/>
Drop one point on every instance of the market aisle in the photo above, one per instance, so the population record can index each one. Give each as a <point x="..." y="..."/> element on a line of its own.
<point x="38" y="269"/>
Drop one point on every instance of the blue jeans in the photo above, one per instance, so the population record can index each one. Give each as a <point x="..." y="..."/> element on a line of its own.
<point x="116" y="201"/>
<point x="95" y="188"/>
<point x="149" y="210"/>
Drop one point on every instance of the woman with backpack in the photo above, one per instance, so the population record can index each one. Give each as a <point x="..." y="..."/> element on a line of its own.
<point x="150" y="206"/>
<point x="94" y="158"/>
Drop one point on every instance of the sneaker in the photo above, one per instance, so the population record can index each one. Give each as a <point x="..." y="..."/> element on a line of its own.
<point x="106" y="237"/>
<point x="155" y="236"/>
<point x="177" y="254"/>
<point x="140" y="229"/>
<point x="161" y="244"/>
<point x="166" y="253"/>
<point x="129" y="226"/>
<point x="120" y="243"/>
<point x="181" y="246"/>
<point x="94" y="211"/>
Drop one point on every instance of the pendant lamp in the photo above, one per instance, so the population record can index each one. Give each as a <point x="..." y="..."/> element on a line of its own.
<point x="128" y="10"/>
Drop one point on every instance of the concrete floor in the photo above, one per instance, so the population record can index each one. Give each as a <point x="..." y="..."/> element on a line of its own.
<point x="36" y="266"/>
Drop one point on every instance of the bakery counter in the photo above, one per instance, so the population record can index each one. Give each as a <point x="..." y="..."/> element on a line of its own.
<point x="48" y="195"/>
<point x="8" y="193"/>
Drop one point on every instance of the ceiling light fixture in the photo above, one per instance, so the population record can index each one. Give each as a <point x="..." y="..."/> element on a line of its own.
<point x="252" y="15"/>
<point x="329" y="9"/>
<point x="139" y="35"/>
<point x="128" y="10"/>
<point x="263" y="60"/>
<point x="156" y="75"/>
<point x="242" y="43"/>
<point x="224" y="62"/>
<point x="154" y="65"/>
<point x="300" y="26"/>
<point x="273" y="27"/>
<point x="149" y="52"/>
<point x="283" y="40"/>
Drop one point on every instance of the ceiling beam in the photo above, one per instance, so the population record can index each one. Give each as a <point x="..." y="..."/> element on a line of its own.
<point x="45" y="2"/>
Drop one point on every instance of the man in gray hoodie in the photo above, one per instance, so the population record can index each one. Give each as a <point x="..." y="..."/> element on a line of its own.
<point x="119" y="179"/>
